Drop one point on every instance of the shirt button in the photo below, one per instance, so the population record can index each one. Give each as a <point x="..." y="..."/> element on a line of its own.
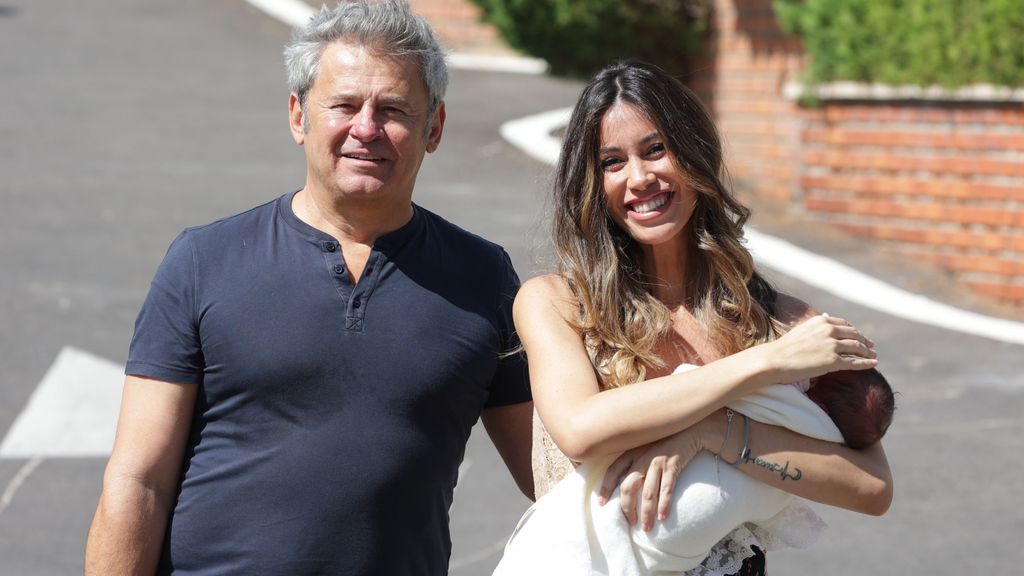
<point x="339" y="269"/>
<point x="356" y="303"/>
<point x="330" y="246"/>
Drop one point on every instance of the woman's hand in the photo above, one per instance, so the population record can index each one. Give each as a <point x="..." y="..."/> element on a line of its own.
<point x="819" y="345"/>
<point x="648" y="476"/>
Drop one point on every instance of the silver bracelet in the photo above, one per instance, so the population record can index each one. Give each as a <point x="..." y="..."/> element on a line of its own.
<point x="745" y="451"/>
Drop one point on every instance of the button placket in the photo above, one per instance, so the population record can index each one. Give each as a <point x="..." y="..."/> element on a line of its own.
<point x="362" y="291"/>
<point x="335" y="262"/>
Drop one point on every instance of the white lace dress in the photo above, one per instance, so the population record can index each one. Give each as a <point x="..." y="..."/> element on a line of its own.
<point x="725" y="559"/>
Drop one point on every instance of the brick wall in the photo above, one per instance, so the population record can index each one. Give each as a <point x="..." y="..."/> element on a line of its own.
<point x="942" y="183"/>
<point x="457" y="24"/>
<point x="939" y="182"/>
<point x="747" y="62"/>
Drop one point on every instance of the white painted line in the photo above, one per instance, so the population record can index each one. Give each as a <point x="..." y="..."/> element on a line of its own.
<point x="73" y="411"/>
<point x="514" y="64"/>
<point x="294" y="13"/>
<point x="297" y="13"/>
<point x="533" y="135"/>
<point x="857" y="287"/>
<point x="12" y="487"/>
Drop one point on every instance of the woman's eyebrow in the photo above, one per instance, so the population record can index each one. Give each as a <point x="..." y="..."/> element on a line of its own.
<point x="645" y="140"/>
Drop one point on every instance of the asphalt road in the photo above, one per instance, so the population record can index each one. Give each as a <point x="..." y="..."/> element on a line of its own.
<point x="125" y="122"/>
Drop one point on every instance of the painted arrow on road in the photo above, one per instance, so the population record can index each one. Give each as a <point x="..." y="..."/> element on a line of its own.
<point x="73" y="411"/>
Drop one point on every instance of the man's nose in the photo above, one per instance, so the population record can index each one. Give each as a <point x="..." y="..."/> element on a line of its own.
<point x="365" y="126"/>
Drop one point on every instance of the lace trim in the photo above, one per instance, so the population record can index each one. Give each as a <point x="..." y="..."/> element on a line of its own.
<point x="549" y="464"/>
<point x="726" y="558"/>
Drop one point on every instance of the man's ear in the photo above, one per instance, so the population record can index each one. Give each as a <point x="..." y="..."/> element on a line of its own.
<point x="295" y="118"/>
<point x="436" y="128"/>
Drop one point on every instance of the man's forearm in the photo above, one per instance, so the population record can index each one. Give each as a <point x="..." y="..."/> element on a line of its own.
<point x="127" y="533"/>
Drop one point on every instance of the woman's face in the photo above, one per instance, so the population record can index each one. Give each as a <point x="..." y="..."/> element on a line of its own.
<point x="646" y="195"/>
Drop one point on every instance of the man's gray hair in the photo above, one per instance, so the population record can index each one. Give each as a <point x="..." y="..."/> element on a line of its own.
<point x="385" y="27"/>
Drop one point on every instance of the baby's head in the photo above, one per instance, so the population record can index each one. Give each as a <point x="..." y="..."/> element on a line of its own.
<point x="860" y="402"/>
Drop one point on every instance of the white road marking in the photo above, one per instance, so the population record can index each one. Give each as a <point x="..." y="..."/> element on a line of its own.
<point x="857" y="287"/>
<point x="12" y="487"/>
<point x="533" y="135"/>
<point x="296" y="14"/>
<point x="73" y="411"/>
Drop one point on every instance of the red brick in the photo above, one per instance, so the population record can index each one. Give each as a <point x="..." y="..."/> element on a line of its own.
<point x="908" y="162"/>
<point x="947" y="238"/>
<point x="977" y="263"/>
<point x="840" y="137"/>
<point x="926" y="187"/>
<point x="917" y="211"/>
<point x="1004" y="291"/>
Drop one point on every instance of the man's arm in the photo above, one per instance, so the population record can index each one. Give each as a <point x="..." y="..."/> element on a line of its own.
<point x="141" y="479"/>
<point x="511" y="430"/>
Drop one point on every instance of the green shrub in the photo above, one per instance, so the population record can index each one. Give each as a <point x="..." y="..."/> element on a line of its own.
<point x="921" y="42"/>
<point x="578" y="37"/>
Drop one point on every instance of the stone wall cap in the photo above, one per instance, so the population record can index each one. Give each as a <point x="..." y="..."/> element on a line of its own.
<point x="876" y="91"/>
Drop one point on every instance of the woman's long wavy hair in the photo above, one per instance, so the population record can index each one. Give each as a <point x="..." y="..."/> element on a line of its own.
<point x="620" y="319"/>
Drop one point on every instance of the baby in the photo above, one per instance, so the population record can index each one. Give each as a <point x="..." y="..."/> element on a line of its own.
<point x="859" y="402"/>
<point x="567" y="533"/>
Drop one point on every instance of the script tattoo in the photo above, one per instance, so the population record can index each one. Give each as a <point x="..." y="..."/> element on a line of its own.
<point x="781" y="470"/>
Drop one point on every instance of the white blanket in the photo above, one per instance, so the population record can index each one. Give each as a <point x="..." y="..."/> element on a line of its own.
<point x="566" y="533"/>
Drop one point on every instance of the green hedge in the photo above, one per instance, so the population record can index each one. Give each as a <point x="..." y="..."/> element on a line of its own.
<point x="920" y="42"/>
<point x="578" y="37"/>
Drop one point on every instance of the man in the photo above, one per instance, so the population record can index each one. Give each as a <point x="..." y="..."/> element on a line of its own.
<point x="304" y="376"/>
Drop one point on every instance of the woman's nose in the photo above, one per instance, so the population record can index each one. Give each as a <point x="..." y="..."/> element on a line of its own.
<point x="639" y="176"/>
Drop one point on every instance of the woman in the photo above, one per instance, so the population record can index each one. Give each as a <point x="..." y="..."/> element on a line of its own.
<point x="653" y="274"/>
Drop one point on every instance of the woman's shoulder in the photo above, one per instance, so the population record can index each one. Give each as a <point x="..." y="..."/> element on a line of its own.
<point x="547" y="292"/>
<point x="791" y="310"/>
<point x="546" y="286"/>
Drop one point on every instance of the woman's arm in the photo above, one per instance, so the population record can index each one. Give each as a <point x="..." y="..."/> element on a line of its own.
<point x="826" y="472"/>
<point x="833" y="474"/>
<point x="587" y="423"/>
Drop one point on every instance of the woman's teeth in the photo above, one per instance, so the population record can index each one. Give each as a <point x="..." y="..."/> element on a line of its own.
<point x="650" y="205"/>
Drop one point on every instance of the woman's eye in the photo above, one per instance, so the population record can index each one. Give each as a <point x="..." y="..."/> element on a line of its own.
<point x="610" y="163"/>
<point x="657" y="149"/>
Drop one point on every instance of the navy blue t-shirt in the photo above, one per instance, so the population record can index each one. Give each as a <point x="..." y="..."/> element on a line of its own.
<point x="331" y="417"/>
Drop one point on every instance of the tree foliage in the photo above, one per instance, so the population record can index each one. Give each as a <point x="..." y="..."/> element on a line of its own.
<point x="578" y="37"/>
<point x="919" y="42"/>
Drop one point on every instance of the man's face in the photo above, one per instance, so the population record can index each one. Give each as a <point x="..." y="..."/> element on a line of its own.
<point x="367" y="126"/>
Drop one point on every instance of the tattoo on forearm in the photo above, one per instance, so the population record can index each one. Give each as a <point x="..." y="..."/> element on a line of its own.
<point x="781" y="470"/>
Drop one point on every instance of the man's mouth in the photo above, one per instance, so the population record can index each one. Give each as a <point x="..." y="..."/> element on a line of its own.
<point x="368" y="157"/>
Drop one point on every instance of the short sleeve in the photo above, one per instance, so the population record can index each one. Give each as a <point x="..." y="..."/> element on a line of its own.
<point x="166" y="344"/>
<point x="511" y="383"/>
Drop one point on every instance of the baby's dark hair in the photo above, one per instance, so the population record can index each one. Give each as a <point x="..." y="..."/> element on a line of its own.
<point x="860" y="402"/>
